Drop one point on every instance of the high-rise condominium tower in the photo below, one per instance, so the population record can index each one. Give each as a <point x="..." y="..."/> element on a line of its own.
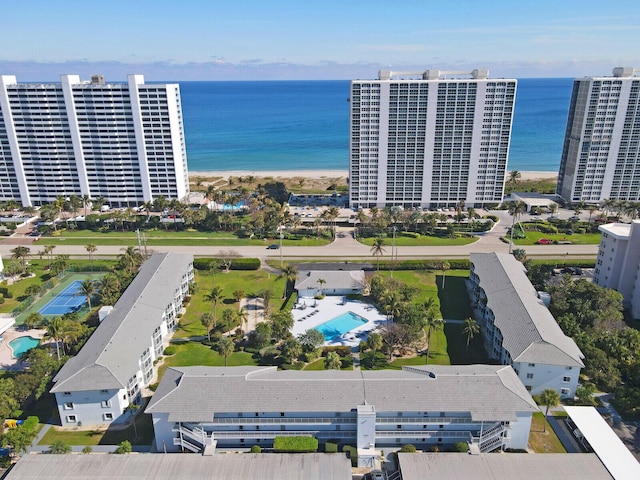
<point x="601" y="152"/>
<point x="121" y="141"/>
<point x="429" y="139"/>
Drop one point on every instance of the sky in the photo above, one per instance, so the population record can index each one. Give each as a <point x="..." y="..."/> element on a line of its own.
<point x="319" y="39"/>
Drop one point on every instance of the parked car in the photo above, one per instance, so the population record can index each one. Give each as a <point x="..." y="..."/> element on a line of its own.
<point x="575" y="218"/>
<point x="544" y="241"/>
<point x="273" y="246"/>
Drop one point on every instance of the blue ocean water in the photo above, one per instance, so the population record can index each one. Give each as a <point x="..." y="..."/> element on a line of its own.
<point x="304" y="125"/>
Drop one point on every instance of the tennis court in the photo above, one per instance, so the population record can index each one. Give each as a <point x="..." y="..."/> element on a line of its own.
<point x="66" y="301"/>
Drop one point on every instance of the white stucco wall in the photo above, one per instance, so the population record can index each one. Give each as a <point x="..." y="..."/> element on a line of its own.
<point x="519" y="431"/>
<point x="86" y="408"/>
<point x="548" y="376"/>
<point x="162" y="428"/>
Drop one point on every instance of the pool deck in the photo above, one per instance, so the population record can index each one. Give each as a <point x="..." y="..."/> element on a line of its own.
<point x="7" y="360"/>
<point x="331" y="307"/>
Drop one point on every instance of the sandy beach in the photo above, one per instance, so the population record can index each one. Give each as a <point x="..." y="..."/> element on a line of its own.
<point x="318" y="174"/>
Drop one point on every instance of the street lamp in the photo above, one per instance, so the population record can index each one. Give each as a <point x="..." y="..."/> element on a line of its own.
<point x="281" y="236"/>
<point x="393" y="246"/>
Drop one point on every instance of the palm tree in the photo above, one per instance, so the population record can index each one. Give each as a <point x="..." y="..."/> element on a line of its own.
<point x="132" y="258"/>
<point x="207" y="322"/>
<point x="321" y="282"/>
<point x="290" y="273"/>
<point x="86" y="200"/>
<point x="377" y="248"/>
<point x="48" y="251"/>
<point x="470" y="329"/>
<point x="214" y="296"/>
<point x="550" y="398"/>
<point x="91" y="248"/>
<point x="432" y="323"/>
<point x="514" y="177"/>
<point x="515" y="210"/>
<point x="21" y="254"/>
<point x="225" y="348"/>
<point x="333" y="361"/>
<point x="444" y="266"/>
<point x="373" y="343"/>
<point x="55" y="330"/>
<point x="87" y="289"/>
<point x="243" y="316"/>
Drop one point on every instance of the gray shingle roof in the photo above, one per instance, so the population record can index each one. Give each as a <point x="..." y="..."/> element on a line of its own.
<point x="195" y="394"/>
<point x="338" y="279"/>
<point x="530" y="333"/>
<point x="110" y="356"/>
<point x="492" y="466"/>
<point x="158" y="466"/>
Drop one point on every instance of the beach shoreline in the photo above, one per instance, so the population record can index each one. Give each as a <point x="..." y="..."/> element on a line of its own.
<point x="319" y="174"/>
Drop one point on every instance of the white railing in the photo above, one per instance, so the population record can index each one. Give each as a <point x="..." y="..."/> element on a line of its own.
<point x="425" y="420"/>
<point x="181" y="442"/>
<point x="464" y="435"/>
<point x="281" y="421"/>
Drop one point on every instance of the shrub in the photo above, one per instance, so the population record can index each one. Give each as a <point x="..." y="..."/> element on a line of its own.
<point x="170" y="350"/>
<point x="124" y="447"/>
<point x="202" y="263"/>
<point x="461" y="447"/>
<point x="296" y="366"/>
<point x="153" y="386"/>
<point x="295" y="444"/>
<point x="245" y="264"/>
<point x="408" y="448"/>
<point x="8" y="294"/>
<point x="339" y="349"/>
<point x="352" y="453"/>
<point x="410" y="234"/>
<point x="256" y="449"/>
<point x="331" y="447"/>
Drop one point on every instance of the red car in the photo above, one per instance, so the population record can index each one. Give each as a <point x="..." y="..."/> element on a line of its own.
<point x="544" y="241"/>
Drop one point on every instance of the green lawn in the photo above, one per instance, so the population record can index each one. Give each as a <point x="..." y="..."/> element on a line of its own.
<point x="144" y="426"/>
<point x="422" y="241"/>
<point x="194" y="353"/>
<point x="454" y="300"/>
<point x="575" y="239"/>
<point x="161" y="237"/>
<point x="542" y="438"/>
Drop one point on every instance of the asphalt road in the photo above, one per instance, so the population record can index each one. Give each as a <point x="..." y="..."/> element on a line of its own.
<point x="344" y="247"/>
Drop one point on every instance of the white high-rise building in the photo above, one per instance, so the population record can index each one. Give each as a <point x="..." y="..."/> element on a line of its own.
<point x="618" y="262"/>
<point x="429" y="139"/>
<point x="601" y="152"/>
<point x="121" y="141"/>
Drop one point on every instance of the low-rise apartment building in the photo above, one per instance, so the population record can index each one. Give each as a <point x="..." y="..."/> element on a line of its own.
<point x="518" y="329"/>
<point x="199" y="408"/>
<point x="97" y="386"/>
<point x="618" y="262"/>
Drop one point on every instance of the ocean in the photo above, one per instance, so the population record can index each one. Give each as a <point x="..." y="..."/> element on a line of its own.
<point x="304" y="125"/>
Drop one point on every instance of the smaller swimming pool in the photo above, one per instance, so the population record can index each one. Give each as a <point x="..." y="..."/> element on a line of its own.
<point x="22" y="345"/>
<point x="340" y="325"/>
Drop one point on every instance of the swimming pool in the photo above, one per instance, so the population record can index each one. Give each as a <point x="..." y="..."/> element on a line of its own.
<point x="340" y="325"/>
<point x="22" y="345"/>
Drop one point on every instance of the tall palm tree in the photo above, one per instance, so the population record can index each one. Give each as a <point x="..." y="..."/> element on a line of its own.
<point x="377" y="249"/>
<point x="21" y="254"/>
<point x="470" y="329"/>
<point x="432" y="323"/>
<point x="514" y="177"/>
<point x="132" y="258"/>
<point x="207" y="322"/>
<point x="550" y="398"/>
<point x="290" y="273"/>
<point x="243" y="317"/>
<point x="225" y="348"/>
<point x="373" y="343"/>
<point x="321" y="282"/>
<point x="214" y="296"/>
<point x="515" y="210"/>
<point x="86" y="200"/>
<point x="444" y="266"/>
<point x="87" y="289"/>
<point x="91" y="248"/>
<point x="48" y="251"/>
<point x="55" y="330"/>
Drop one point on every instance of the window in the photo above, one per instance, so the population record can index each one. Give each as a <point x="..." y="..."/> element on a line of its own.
<point x="105" y="403"/>
<point x="564" y="391"/>
<point x="68" y="406"/>
<point x="104" y="391"/>
<point x="529" y="375"/>
<point x="71" y="419"/>
<point x="67" y="394"/>
<point x="108" y="416"/>
<point x="532" y="364"/>
<point x="566" y="379"/>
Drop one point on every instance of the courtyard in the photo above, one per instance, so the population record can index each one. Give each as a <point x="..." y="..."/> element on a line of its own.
<point x="346" y="330"/>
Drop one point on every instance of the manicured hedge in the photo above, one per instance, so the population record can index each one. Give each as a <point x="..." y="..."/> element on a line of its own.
<point x="331" y="447"/>
<point x="204" y="264"/>
<point x="295" y="444"/>
<point x="340" y="350"/>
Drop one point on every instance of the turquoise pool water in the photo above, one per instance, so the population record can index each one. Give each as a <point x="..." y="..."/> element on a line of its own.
<point x="22" y="345"/>
<point x="340" y="325"/>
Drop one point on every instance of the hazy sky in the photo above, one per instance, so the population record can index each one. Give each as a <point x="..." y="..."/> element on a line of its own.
<point x="314" y="39"/>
